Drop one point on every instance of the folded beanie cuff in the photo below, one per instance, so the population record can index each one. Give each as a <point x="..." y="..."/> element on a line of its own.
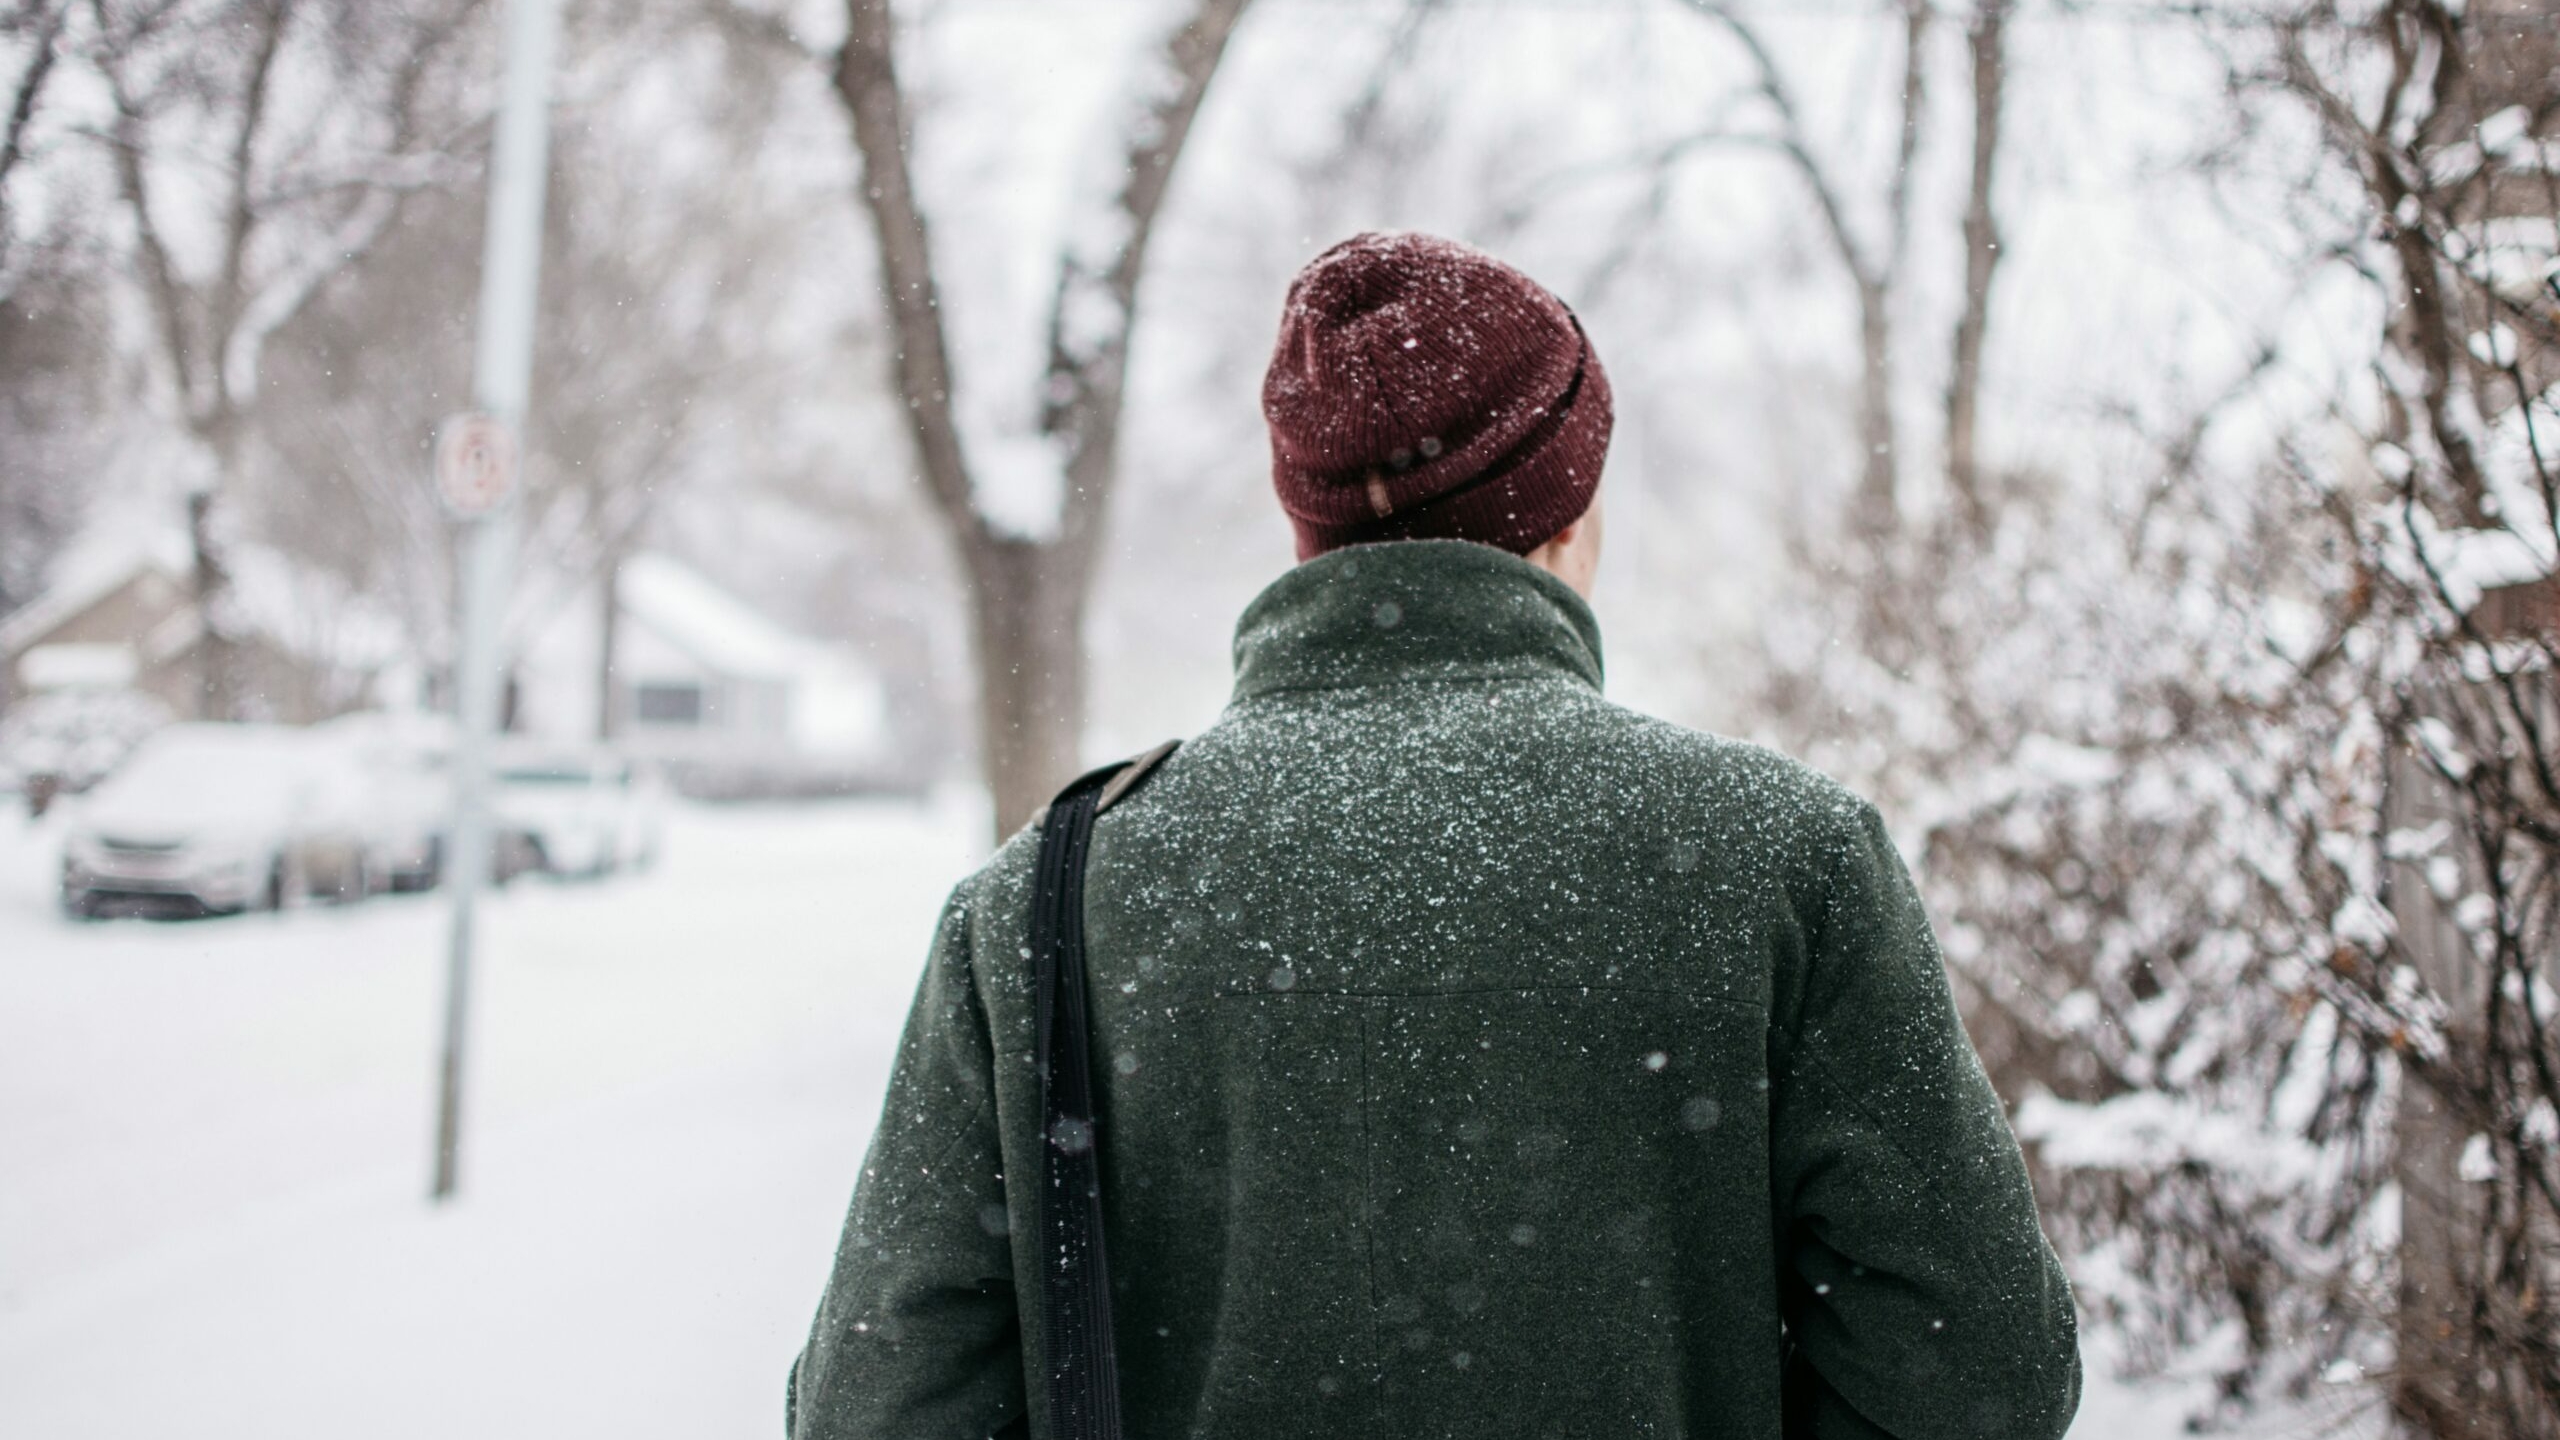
<point x="1518" y="503"/>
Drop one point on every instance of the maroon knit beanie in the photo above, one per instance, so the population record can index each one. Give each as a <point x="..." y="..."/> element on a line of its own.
<point x="1422" y="388"/>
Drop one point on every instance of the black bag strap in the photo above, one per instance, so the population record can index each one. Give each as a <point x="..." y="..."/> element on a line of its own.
<point x="1078" y="1354"/>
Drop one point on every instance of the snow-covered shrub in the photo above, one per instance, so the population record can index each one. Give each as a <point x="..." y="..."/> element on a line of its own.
<point x="74" y="736"/>
<point x="2236" y="789"/>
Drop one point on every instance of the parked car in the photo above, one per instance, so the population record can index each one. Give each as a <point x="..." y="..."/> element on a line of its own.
<point x="582" y="811"/>
<point x="403" y="760"/>
<point x="644" y="812"/>
<point x="219" y="818"/>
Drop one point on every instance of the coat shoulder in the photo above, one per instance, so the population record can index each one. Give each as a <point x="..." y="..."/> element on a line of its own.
<point x="1002" y="883"/>
<point x="1730" y="775"/>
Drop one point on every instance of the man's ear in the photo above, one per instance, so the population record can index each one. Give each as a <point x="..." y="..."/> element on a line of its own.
<point x="1572" y="553"/>
<point x="1559" y="542"/>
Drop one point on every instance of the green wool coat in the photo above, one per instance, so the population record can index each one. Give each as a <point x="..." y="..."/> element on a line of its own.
<point x="1475" y="1058"/>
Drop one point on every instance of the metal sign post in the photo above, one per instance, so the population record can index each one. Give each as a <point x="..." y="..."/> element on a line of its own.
<point x="476" y="469"/>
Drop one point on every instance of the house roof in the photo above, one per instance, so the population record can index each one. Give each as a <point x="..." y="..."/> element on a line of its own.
<point x="717" y="629"/>
<point x="301" y="611"/>
<point x="82" y="588"/>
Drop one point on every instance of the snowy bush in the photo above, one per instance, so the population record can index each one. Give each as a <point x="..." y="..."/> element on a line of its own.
<point x="2236" y="792"/>
<point x="75" y="736"/>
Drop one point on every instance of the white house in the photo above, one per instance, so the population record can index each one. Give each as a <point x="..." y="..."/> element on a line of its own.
<point x="727" y="699"/>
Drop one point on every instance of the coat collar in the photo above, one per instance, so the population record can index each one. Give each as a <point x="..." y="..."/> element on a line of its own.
<point x="1401" y="611"/>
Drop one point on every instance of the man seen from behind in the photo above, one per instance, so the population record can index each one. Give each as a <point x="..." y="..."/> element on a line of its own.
<point x="1473" y="1057"/>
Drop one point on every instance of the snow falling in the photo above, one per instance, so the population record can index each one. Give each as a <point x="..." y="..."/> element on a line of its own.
<point x="2112" y="444"/>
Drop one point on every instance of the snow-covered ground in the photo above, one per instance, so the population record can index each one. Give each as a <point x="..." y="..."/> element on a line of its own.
<point x="213" y="1146"/>
<point x="214" y="1135"/>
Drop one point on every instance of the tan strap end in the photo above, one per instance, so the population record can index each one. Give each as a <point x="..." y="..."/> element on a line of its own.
<point x="1130" y="774"/>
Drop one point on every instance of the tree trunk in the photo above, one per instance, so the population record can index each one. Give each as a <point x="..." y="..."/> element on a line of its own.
<point x="1029" y="620"/>
<point x="1873" y="269"/>
<point x="609" y="650"/>
<point x="1877" y="512"/>
<point x="1981" y="259"/>
<point x="221" y="690"/>
<point x="2434" y="1382"/>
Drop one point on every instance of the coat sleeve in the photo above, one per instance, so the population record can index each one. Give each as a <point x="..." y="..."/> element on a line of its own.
<point x="1920" y="1295"/>
<point x="917" y="1333"/>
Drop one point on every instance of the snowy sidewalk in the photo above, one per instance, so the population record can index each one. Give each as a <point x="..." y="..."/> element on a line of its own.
<point x="213" y="1143"/>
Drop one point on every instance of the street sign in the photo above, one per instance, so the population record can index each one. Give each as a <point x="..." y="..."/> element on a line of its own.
<point x="475" y="463"/>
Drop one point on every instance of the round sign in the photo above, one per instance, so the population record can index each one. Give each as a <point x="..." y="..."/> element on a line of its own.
<point x="475" y="463"/>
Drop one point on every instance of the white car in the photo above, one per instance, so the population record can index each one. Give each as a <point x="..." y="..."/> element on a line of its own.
<point x="644" y="811"/>
<point x="218" y="818"/>
<point x="577" y="811"/>
<point x="404" y="761"/>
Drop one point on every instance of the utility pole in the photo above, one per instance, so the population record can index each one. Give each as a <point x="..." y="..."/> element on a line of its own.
<point x="477" y="467"/>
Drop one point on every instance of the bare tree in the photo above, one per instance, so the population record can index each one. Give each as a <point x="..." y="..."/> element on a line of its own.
<point x="1875" y="266"/>
<point x="52" y="364"/>
<point x="640" y="360"/>
<point x="1028" y="594"/>
<point x="296" y="199"/>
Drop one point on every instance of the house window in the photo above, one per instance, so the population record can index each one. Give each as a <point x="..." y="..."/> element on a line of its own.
<point x="668" y="703"/>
